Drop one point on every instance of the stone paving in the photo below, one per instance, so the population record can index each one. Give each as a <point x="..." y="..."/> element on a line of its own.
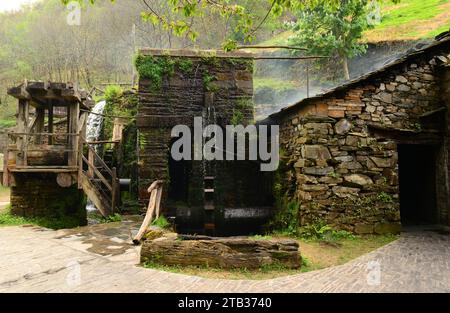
<point x="101" y="259"/>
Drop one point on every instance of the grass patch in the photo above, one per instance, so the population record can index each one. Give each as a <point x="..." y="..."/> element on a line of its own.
<point x="411" y="19"/>
<point x="275" y="84"/>
<point x="161" y="222"/>
<point x="8" y="219"/>
<point x="116" y="217"/>
<point x="7" y="123"/>
<point x="316" y="254"/>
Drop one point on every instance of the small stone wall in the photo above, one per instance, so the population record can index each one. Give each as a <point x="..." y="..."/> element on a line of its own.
<point x="340" y="150"/>
<point x="39" y="195"/>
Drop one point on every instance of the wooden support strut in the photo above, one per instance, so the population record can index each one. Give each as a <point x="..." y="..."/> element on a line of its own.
<point x="154" y="204"/>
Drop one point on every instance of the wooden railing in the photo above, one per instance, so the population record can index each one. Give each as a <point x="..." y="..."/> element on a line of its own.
<point x="99" y="174"/>
<point x="57" y="150"/>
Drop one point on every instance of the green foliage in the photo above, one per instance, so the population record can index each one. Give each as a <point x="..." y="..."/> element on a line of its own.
<point x="207" y="82"/>
<point x="385" y="197"/>
<point x="116" y="217"/>
<point x="406" y="21"/>
<point x="237" y="118"/>
<point x="183" y="11"/>
<point x="113" y="93"/>
<point x="240" y="109"/>
<point x="161" y="222"/>
<point x="185" y="66"/>
<point x="333" y="32"/>
<point x="118" y="104"/>
<point x="274" y="84"/>
<point x="286" y="220"/>
<point x="7" y="123"/>
<point x="154" y="68"/>
<point x="321" y="231"/>
<point x="261" y="237"/>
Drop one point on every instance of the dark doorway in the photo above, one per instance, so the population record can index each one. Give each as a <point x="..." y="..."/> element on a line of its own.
<point x="179" y="172"/>
<point x="417" y="178"/>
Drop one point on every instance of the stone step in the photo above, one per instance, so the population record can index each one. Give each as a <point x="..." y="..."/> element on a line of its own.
<point x="209" y="207"/>
<point x="209" y="190"/>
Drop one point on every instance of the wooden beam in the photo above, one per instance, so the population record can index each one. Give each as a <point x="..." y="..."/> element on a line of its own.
<point x="40" y="124"/>
<point x="50" y="123"/>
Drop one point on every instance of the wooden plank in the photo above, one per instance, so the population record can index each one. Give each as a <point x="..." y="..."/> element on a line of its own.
<point x="46" y="167"/>
<point x="41" y="170"/>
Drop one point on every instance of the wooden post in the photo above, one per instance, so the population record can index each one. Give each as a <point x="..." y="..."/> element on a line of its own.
<point x="5" y="167"/>
<point x="50" y="123"/>
<point x="158" y="201"/>
<point x="152" y="204"/>
<point x="40" y="124"/>
<point x="74" y="110"/>
<point x="22" y="127"/>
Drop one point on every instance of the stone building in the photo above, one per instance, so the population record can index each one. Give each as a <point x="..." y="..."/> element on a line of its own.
<point x="373" y="154"/>
<point x="175" y="86"/>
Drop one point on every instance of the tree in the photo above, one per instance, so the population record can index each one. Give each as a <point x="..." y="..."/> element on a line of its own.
<point x="334" y="32"/>
<point x="246" y="22"/>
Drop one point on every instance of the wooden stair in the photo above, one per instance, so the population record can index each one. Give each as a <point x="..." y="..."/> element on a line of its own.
<point x="102" y="203"/>
<point x="98" y="181"/>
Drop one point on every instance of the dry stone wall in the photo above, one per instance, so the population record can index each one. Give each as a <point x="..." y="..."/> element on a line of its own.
<point x="340" y="150"/>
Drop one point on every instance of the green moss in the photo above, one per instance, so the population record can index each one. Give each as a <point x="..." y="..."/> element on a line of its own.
<point x="208" y="82"/>
<point x="185" y="65"/>
<point x="154" y="69"/>
<point x="211" y="59"/>
<point x="241" y="108"/>
<point x="247" y="64"/>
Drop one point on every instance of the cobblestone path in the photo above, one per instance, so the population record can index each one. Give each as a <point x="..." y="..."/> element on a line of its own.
<point x="102" y="260"/>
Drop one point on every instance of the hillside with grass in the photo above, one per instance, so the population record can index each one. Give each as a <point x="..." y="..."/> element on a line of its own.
<point x="406" y="20"/>
<point x="411" y="20"/>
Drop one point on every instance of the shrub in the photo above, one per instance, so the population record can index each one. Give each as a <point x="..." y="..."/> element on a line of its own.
<point x="321" y="231"/>
<point x="112" y="92"/>
<point x="161" y="222"/>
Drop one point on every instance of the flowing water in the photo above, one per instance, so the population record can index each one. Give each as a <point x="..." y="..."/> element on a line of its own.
<point x="93" y="132"/>
<point x="95" y="122"/>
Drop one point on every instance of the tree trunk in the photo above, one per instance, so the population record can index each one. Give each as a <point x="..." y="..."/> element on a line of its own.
<point x="345" y="68"/>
